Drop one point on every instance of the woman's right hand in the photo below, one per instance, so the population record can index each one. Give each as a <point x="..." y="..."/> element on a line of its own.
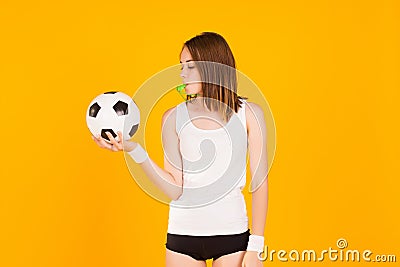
<point x="115" y="146"/>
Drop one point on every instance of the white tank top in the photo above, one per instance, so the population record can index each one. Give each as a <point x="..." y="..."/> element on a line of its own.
<point x="214" y="174"/>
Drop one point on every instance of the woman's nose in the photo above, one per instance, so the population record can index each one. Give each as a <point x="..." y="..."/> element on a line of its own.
<point x="183" y="74"/>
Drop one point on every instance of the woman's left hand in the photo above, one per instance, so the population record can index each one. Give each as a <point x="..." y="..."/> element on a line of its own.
<point x="251" y="260"/>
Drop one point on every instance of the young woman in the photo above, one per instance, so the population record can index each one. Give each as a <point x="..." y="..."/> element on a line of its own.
<point x="206" y="140"/>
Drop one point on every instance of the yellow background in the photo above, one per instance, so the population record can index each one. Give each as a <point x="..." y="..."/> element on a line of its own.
<point x="329" y="70"/>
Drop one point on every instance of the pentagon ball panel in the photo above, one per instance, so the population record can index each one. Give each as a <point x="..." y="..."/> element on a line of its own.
<point x="113" y="112"/>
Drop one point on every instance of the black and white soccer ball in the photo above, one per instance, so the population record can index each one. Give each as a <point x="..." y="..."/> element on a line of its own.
<point x="113" y="112"/>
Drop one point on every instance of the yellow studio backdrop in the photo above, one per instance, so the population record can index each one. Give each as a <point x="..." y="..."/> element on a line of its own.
<point x="328" y="69"/>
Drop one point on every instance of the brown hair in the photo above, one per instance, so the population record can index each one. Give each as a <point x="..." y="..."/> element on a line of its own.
<point x="219" y="81"/>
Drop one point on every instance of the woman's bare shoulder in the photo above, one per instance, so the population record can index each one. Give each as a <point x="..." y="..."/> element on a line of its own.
<point x="169" y="115"/>
<point x="254" y="114"/>
<point x="253" y="108"/>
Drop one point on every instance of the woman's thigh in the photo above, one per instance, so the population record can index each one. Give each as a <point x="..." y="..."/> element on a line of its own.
<point x="175" y="259"/>
<point x="230" y="260"/>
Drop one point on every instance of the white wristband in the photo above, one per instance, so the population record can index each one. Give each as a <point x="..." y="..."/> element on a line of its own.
<point x="256" y="243"/>
<point x="138" y="154"/>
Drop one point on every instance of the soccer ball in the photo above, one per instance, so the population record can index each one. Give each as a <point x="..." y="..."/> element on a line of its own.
<point x="113" y="112"/>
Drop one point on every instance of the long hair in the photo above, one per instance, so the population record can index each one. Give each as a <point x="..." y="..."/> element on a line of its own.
<point x="217" y="70"/>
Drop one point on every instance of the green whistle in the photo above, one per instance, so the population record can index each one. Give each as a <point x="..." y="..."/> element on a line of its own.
<point x="179" y="88"/>
<point x="185" y="97"/>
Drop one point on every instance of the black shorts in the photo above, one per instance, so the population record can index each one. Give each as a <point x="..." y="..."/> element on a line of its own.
<point x="207" y="247"/>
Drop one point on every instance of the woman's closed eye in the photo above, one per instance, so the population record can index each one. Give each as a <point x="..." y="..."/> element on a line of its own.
<point x="189" y="67"/>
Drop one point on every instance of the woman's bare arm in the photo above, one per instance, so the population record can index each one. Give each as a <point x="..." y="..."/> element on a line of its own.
<point x="169" y="180"/>
<point x="257" y="137"/>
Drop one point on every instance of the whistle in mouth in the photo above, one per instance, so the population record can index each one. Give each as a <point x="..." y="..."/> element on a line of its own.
<point x="179" y="88"/>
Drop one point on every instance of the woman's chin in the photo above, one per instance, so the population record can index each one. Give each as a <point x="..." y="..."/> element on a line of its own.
<point x="193" y="88"/>
<point x="190" y="92"/>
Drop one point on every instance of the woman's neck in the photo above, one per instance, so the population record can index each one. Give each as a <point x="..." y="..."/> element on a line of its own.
<point x="198" y="103"/>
